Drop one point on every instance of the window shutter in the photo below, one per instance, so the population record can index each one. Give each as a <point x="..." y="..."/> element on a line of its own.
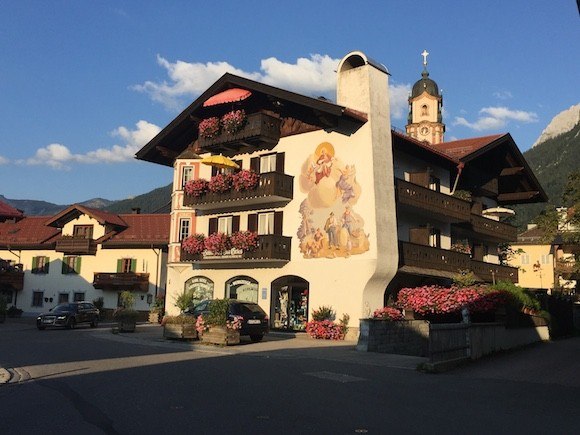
<point x="133" y="264"/>
<point x="255" y="164"/>
<point x="119" y="265"/>
<point x="78" y="265"/>
<point x="235" y="224"/>
<point x="34" y="264"/>
<point x="46" y="264"/>
<point x="214" y="171"/>
<point x="420" y="178"/>
<point x="213" y="225"/>
<point x="420" y="236"/>
<point x="278" y="222"/>
<point x="253" y="222"/>
<point x="280" y="163"/>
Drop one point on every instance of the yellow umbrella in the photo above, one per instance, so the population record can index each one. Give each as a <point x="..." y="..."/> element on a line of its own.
<point x="220" y="161"/>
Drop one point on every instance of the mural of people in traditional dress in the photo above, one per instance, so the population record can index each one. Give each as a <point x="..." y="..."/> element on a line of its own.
<point x="330" y="227"/>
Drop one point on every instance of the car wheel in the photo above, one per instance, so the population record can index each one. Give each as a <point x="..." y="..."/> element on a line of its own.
<point x="41" y="328"/>
<point x="71" y="323"/>
<point x="94" y="323"/>
<point x="256" y="338"/>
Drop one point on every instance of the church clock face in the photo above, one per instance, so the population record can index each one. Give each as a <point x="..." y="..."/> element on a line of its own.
<point x="424" y="131"/>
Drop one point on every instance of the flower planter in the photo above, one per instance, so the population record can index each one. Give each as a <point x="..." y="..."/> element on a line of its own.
<point x="126" y="326"/>
<point x="154" y="317"/>
<point x="221" y="336"/>
<point x="184" y="331"/>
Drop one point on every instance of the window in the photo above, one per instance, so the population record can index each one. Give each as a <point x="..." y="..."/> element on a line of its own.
<point x="435" y="238"/>
<point x="525" y="258"/>
<point x="40" y="264"/>
<point x="225" y="225"/>
<point x="268" y="163"/>
<point x="545" y="259"/>
<point x="184" y="227"/>
<point x="71" y="264"/>
<point x="63" y="298"/>
<point x="186" y="175"/>
<point x="37" y="298"/>
<point x="266" y="223"/>
<point x="424" y="110"/>
<point x="434" y="183"/>
<point x="83" y="231"/>
<point x="78" y="296"/>
<point x="126" y="265"/>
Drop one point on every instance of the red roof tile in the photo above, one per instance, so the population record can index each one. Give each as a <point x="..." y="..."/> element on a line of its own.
<point x="75" y="210"/>
<point x="464" y="147"/>
<point x="27" y="231"/>
<point x="7" y="211"/>
<point x="143" y="229"/>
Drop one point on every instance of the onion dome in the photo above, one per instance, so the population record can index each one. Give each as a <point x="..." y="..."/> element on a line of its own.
<point x="425" y="85"/>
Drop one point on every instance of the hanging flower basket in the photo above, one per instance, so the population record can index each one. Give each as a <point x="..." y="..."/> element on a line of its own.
<point x="193" y="244"/>
<point x="233" y="121"/>
<point x="209" y="128"/>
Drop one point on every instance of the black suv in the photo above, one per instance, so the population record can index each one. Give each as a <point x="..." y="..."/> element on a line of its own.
<point x="69" y="315"/>
<point x="255" y="321"/>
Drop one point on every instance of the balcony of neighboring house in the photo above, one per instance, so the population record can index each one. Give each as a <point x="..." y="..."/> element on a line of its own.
<point x="568" y="269"/>
<point x="427" y="260"/>
<point x="11" y="276"/>
<point x="273" y="189"/>
<point x="448" y="208"/>
<point x="271" y="251"/>
<point x="259" y="131"/>
<point x="73" y="245"/>
<point x="121" y="281"/>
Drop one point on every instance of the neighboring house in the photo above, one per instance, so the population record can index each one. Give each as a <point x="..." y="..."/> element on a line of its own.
<point x="547" y="264"/>
<point x="82" y="254"/>
<point x="346" y="210"/>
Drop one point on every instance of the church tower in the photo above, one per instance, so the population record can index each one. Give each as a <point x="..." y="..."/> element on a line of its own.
<point x="425" y="121"/>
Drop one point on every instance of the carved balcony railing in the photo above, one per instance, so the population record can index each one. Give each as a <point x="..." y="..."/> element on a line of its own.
<point x="568" y="269"/>
<point x="432" y="260"/>
<point x="273" y="190"/>
<point x="76" y="246"/>
<point x="493" y="230"/>
<point x="11" y="276"/>
<point x="448" y="207"/>
<point x="260" y="130"/>
<point x="272" y="251"/>
<point x="121" y="281"/>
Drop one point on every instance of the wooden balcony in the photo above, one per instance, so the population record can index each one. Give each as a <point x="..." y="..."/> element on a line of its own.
<point x="122" y="281"/>
<point x="260" y="131"/>
<point x="76" y="246"/>
<point x="272" y="251"/>
<point x="445" y="263"/>
<point x="273" y="190"/>
<point x="446" y="207"/>
<point x="568" y="270"/>
<point x="12" y="278"/>
<point x="493" y="230"/>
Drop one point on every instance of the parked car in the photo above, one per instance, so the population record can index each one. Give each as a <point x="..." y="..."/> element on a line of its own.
<point x="69" y="315"/>
<point x="255" y="321"/>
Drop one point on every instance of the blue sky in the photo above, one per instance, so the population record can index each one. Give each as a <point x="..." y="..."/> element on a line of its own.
<point x="84" y="84"/>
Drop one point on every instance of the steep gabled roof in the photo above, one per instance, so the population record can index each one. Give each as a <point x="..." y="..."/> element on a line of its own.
<point x="76" y="210"/>
<point x="29" y="231"/>
<point x="422" y="149"/>
<point x="463" y="148"/>
<point x="9" y="212"/>
<point x="314" y="112"/>
<point x="142" y="229"/>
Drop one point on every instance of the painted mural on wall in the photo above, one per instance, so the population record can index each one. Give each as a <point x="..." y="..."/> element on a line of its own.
<point x="330" y="226"/>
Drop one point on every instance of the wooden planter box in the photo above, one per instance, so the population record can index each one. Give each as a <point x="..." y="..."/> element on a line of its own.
<point x="221" y="336"/>
<point x="126" y="326"/>
<point x="154" y="317"/>
<point x="184" y="331"/>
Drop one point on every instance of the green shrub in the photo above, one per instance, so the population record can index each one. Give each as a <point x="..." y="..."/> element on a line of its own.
<point x="127" y="299"/>
<point x="99" y="303"/>
<point x="518" y="297"/>
<point x="184" y="300"/>
<point x="323" y="313"/>
<point x="126" y="315"/>
<point x="218" y="312"/>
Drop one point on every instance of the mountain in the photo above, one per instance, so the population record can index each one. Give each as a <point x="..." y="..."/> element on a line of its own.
<point x="156" y="201"/>
<point x="560" y="124"/>
<point x="552" y="158"/>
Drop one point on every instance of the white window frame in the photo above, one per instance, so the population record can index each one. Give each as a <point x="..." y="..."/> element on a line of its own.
<point x="225" y="225"/>
<point x="184" y="228"/>
<point x="525" y="258"/>
<point x="545" y="259"/>
<point x="266" y="223"/>
<point x="268" y="163"/>
<point x="186" y="174"/>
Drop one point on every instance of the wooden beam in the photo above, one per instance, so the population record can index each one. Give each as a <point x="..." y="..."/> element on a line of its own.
<point x="166" y="152"/>
<point x="506" y="172"/>
<point x="516" y="196"/>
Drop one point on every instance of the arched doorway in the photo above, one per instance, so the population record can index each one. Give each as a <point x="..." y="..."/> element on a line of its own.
<point x="201" y="287"/>
<point x="289" y="303"/>
<point x="243" y="288"/>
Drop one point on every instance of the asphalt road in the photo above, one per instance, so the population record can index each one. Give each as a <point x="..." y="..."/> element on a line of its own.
<point x="90" y="381"/>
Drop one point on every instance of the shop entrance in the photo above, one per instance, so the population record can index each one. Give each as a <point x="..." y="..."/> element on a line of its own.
<point x="289" y="303"/>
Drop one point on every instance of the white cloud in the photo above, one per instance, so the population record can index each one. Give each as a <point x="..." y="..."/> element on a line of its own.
<point x="494" y="118"/>
<point x="399" y="99"/>
<point x="58" y="156"/>
<point x="503" y="95"/>
<point x="3" y="160"/>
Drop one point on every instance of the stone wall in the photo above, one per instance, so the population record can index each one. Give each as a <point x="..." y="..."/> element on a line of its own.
<point x="409" y="337"/>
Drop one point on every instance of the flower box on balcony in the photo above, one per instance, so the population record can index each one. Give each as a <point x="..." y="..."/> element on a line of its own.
<point x="259" y="128"/>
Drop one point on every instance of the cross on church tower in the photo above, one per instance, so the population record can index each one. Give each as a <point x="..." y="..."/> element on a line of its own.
<point x="425" y="54"/>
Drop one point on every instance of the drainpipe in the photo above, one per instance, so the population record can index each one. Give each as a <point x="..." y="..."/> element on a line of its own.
<point x="157" y="254"/>
<point x="17" y="255"/>
<point x="460" y="167"/>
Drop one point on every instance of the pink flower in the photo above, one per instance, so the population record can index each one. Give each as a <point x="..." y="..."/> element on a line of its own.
<point x="220" y="183"/>
<point x="196" y="188"/>
<point x="193" y="244"/>
<point x="209" y="128"/>
<point x="233" y="121"/>
<point x="217" y="243"/>
<point x="244" y="240"/>
<point x="245" y="180"/>
<point x="388" y="313"/>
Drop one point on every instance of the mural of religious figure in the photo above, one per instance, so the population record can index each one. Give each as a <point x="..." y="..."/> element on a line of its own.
<point x="330" y="227"/>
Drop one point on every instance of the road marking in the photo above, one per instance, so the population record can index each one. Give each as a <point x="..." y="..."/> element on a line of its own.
<point x="338" y="377"/>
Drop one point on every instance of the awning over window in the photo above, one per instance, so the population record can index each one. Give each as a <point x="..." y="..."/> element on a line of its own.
<point x="230" y="96"/>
